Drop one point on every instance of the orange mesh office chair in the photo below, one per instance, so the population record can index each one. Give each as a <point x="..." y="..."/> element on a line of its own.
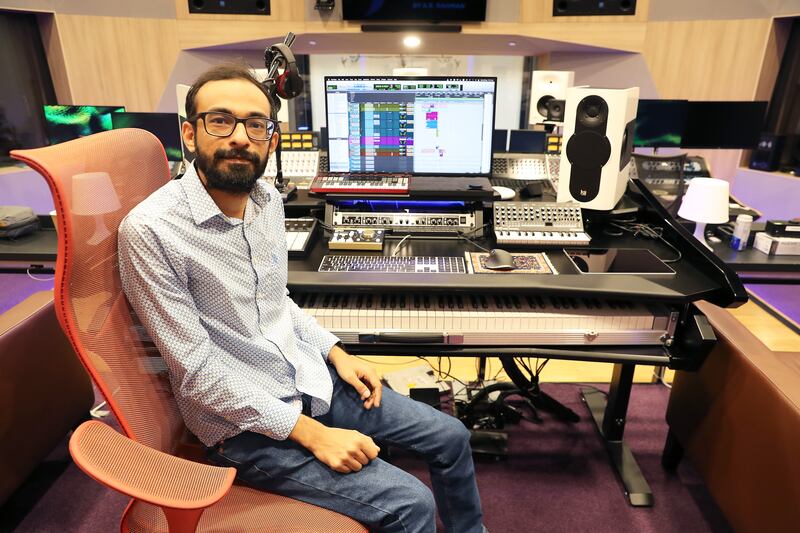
<point x="95" y="181"/>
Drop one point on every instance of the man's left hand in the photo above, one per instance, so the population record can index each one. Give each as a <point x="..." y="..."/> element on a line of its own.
<point x="359" y="374"/>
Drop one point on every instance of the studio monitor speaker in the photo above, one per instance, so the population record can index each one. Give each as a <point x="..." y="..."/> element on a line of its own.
<point x="230" y="7"/>
<point x="547" y="85"/>
<point x="569" y="8"/>
<point x="767" y="153"/>
<point x="598" y="142"/>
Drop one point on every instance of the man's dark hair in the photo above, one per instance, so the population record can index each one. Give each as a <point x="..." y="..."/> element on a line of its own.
<point x="226" y="71"/>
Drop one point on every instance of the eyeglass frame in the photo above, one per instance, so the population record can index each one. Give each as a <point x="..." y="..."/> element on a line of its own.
<point x="237" y="120"/>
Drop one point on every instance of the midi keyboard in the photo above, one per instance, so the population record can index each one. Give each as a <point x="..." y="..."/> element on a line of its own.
<point x="361" y="184"/>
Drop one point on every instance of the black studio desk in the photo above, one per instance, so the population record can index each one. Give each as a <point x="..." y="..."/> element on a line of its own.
<point x="754" y="266"/>
<point x="699" y="275"/>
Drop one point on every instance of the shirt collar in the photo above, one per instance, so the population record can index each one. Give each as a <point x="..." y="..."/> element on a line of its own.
<point x="202" y="206"/>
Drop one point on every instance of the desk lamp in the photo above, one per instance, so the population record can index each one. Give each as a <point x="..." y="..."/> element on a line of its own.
<point x="705" y="202"/>
<point x="93" y="194"/>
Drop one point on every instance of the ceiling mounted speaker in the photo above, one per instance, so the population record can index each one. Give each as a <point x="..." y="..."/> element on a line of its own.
<point x="571" y="8"/>
<point x="547" y="85"/>
<point x="230" y="7"/>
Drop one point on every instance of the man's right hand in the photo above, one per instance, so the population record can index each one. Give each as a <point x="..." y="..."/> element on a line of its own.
<point x="343" y="450"/>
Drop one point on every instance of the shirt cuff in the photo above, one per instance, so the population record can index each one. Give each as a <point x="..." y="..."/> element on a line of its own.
<point x="280" y="422"/>
<point x="328" y="342"/>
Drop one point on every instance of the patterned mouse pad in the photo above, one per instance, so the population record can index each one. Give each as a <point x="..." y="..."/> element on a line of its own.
<point x="524" y="263"/>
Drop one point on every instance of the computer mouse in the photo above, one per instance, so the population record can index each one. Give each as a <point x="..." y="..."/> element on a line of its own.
<point x="504" y="192"/>
<point x="532" y="190"/>
<point x="499" y="260"/>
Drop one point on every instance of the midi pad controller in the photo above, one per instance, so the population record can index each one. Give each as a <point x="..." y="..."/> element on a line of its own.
<point x="539" y="224"/>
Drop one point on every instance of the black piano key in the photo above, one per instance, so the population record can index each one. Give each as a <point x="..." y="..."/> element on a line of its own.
<point x="313" y="300"/>
<point x="459" y="301"/>
<point x="426" y="302"/>
<point x="498" y="301"/>
<point x="393" y="301"/>
<point x="402" y="298"/>
<point x="516" y="302"/>
<point x="450" y="302"/>
<point x="359" y="301"/>
<point x="555" y="302"/>
<point x="345" y="301"/>
<point x="484" y="302"/>
<point x="541" y="302"/>
<point x="440" y="301"/>
<point x="416" y="301"/>
<point x="474" y="302"/>
<point x="327" y="300"/>
<point x="368" y="299"/>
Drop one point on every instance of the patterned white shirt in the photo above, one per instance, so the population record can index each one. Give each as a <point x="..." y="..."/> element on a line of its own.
<point x="211" y="292"/>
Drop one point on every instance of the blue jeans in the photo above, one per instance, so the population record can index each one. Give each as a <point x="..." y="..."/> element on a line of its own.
<point x="380" y="496"/>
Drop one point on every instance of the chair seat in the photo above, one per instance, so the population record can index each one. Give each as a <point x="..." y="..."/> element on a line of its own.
<point x="249" y="510"/>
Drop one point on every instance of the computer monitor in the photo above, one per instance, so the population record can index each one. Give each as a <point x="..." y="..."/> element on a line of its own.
<point x="419" y="125"/>
<point x="68" y="122"/>
<point x="527" y="141"/>
<point x="724" y="124"/>
<point x="660" y="123"/>
<point x="165" y="126"/>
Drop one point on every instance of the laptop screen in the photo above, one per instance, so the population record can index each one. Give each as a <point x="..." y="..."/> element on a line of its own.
<point x="416" y="125"/>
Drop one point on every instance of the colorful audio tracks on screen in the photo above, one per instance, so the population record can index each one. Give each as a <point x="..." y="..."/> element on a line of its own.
<point x="410" y="125"/>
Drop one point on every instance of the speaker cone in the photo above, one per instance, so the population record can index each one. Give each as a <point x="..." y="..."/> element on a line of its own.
<point x="541" y="105"/>
<point x="592" y="111"/>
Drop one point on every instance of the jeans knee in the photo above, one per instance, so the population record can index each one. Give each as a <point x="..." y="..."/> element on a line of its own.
<point x="455" y="433"/>
<point x="422" y="505"/>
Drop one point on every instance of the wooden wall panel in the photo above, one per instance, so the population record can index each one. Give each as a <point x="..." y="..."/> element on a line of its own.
<point x="706" y="59"/>
<point x="54" y="52"/>
<point x="114" y="60"/>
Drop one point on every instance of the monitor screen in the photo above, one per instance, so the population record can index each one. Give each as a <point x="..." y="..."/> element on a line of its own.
<point x="724" y="124"/>
<point x="463" y="10"/>
<point x="417" y="125"/>
<point x="527" y="141"/>
<point x="660" y="123"/>
<point x="500" y="141"/>
<point x="68" y="122"/>
<point x="165" y="126"/>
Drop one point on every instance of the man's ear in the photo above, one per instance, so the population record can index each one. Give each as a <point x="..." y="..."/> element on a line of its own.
<point x="187" y="132"/>
<point x="273" y="142"/>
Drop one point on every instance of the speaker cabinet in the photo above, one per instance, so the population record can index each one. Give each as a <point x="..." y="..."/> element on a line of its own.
<point x="570" y="8"/>
<point x="230" y="7"/>
<point x="547" y="85"/>
<point x="598" y="143"/>
<point x="767" y="153"/>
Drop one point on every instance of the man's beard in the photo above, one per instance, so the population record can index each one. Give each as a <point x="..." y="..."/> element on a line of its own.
<point x="239" y="177"/>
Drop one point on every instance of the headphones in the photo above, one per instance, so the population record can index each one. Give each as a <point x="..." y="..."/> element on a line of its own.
<point x="288" y="83"/>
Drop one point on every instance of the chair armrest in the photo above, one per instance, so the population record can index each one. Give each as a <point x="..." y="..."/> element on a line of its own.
<point x="143" y="473"/>
<point x="23" y="310"/>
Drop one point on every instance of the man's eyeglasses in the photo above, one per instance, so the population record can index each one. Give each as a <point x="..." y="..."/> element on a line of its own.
<point x="221" y="124"/>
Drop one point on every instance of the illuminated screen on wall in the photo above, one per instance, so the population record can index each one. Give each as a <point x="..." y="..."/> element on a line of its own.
<point x="430" y="10"/>
<point x="68" y="122"/>
<point x="417" y="125"/>
<point x="660" y="123"/>
<point x="165" y="126"/>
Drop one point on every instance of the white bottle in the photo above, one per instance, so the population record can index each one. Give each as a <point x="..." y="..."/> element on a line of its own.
<point x="741" y="232"/>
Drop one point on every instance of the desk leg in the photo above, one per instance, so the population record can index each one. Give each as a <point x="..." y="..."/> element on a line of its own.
<point x="609" y="417"/>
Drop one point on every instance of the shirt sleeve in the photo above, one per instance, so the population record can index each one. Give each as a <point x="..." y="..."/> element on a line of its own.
<point x="308" y="329"/>
<point x="156" y="286"/>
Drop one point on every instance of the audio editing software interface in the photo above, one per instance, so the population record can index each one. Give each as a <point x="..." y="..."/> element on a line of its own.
<point x="427" y="126"/>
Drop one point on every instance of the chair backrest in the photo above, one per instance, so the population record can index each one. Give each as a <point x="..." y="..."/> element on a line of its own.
<point x="95" y="182"/>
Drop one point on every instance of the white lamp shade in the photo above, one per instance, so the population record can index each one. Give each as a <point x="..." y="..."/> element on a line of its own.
<point x="93" y="194"/>
<point x="705" y="201"/>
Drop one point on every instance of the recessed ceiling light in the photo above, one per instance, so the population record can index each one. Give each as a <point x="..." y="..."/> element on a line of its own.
<point x="411" y="41"/>
<point x="512" y="43"/>
<point x="312" y="43"/>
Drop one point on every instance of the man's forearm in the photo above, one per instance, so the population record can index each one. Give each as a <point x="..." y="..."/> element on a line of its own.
<point x="306" y="431"/>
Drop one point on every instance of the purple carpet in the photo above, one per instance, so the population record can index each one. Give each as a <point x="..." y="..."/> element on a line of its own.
<point x="16" y="287"/>
<point x="784" y="298"/>
<point x="556" y="478"/>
